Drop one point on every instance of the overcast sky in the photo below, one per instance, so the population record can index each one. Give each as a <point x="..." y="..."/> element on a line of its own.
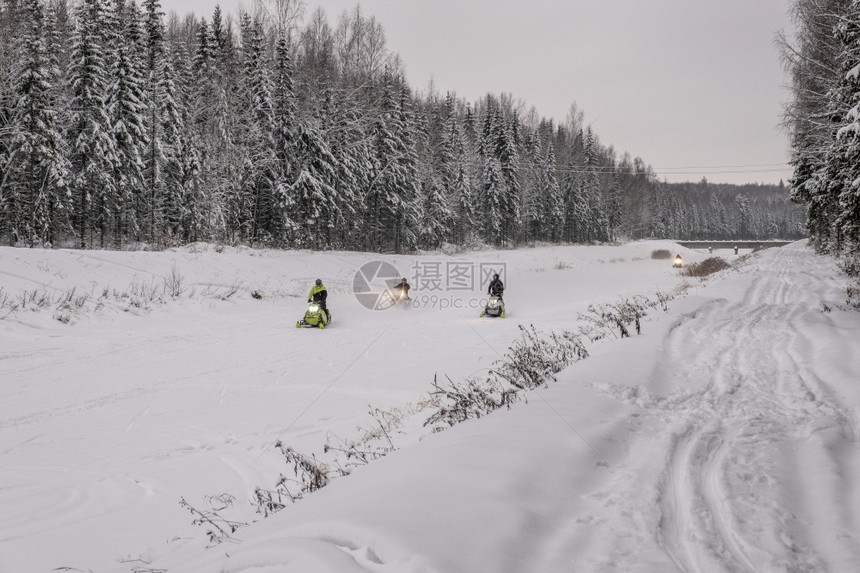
<point x="694" y="87"/>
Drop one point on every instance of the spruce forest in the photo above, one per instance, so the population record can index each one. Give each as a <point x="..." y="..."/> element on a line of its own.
<point x="122" y="127"/>
<point x="823" y="119"/>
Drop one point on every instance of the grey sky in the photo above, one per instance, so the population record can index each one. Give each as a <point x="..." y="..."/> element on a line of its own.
<point x="694" y="87"/>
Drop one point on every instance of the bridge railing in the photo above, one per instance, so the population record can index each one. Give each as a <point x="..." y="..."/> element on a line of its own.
<point x="732" y="244"/>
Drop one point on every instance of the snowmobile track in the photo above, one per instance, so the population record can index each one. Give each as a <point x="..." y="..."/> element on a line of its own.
<point x="733" y="461"/>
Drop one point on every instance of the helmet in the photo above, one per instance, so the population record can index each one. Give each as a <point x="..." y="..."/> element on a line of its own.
<point x="319" y="282"/>
<point x="496" y="277"/>
<point x="404" y="280"/>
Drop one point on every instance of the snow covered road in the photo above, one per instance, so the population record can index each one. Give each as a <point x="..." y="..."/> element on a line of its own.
<point x="758" y="479"/>
<point x="757" y="391"/>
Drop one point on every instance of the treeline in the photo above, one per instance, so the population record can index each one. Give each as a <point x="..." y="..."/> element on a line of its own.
<point x="823" y="117"/>
<point x="698" y="211"/>
<point x="122" y="127"/>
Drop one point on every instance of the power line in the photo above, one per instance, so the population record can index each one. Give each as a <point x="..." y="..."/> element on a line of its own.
<point x="781" y="164"/>
<point x="718" y="171"/>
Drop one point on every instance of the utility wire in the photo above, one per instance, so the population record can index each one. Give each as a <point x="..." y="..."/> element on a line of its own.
<point x="781" y="164"/>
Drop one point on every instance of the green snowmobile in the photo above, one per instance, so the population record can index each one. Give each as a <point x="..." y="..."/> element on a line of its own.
<point x="315" y="316"/>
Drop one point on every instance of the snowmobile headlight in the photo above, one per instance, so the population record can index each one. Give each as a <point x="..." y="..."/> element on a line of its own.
<point x="314" y="307"/>
<point x="494" y="302"/>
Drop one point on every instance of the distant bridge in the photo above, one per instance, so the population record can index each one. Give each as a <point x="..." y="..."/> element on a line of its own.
<point x="732" y="244"/>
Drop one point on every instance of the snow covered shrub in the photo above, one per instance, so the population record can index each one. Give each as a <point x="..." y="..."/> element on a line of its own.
<point x="70" y="306"/>
<point x="271" y="501"/>
<point x="173" y="283"/>
<point x="34" y="300"/>
<point x="310" y="475"/>
<point x="219" y="528"/>
<point x="707" y="267"/>
<point x="530" y="362"/>
<point x="536" y="357"/>
<point x="615" y="318"/>
<point x="11" y="302"/>
<point x="663" y="299"/>
<point x="220" y="293"/>
<point x="469" y="399"/>
<point x="661" y="254"/>
<point x="141" y="295"/>
<point x="680" y="289"/>
<point x="372" y="444"/>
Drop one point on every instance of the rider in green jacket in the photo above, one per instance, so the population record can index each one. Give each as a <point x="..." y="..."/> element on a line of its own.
<point x="318" y="294"/>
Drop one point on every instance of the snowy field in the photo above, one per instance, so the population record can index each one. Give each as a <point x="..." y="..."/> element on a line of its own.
<point x="723" y="438"/>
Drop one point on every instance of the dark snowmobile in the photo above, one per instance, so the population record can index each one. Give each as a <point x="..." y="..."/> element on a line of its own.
<point x="495" y="307"/>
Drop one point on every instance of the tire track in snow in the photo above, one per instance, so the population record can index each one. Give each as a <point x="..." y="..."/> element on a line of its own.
<point x="727" y="502"/>
<point x="695" y="527"/>
<point x="692" y="483"/>
<point x="755" y="475"/>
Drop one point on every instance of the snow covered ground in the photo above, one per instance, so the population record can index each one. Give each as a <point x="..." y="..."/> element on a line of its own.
<point x="723" y="438"/>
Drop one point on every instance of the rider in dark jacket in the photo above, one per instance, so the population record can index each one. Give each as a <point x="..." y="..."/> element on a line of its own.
<point x="402" y="288"/>
<point x="496" y="287"/>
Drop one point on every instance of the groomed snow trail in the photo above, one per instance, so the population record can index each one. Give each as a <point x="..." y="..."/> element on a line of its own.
<point x="747" y="422"/>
